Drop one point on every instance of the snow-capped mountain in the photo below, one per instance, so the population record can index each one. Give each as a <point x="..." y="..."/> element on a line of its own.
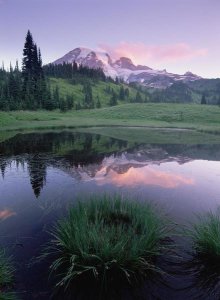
<point x="124" y="68"/>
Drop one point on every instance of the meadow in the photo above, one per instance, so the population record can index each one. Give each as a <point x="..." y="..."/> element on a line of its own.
<point x="204" y="118"/>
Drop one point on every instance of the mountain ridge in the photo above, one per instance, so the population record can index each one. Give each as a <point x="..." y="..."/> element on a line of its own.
<point x="125" y="69"/>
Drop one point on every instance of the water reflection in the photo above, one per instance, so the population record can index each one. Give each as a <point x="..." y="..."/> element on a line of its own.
<point x="64" y="150"/>
<point x="56" y="167"/>
<point x="106" y="160"/>
<point x="6" y="213"/>
<point x="141" y="175"/>
<point x="155" y="286"/>
<point x="204" y="273"/>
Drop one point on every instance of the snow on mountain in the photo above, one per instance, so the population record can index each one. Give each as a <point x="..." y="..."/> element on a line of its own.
<point x="124" y="68"/>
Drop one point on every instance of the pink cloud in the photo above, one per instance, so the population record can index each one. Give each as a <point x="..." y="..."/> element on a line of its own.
<point x="141" y="53"/>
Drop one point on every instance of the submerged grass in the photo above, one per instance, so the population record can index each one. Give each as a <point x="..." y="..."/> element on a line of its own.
<point x="108" y="238"/>
<point x="6" y="276"/>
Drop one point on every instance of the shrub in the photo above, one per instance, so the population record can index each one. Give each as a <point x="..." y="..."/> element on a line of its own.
<point x="107" y="238"/>
<point x="204" y="260"/>
<point x="205" y="235"/>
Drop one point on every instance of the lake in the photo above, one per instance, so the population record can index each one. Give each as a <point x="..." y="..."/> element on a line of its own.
<point x="44" y="173"/>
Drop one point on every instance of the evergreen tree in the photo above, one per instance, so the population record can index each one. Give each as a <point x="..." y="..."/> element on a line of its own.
<point x="98" y="103"/>
<point x="113" y="100"/>
<point x="122" y="93"/>
<point x="69" y="102"/>
<point x="75" y="67"/>
<point x="127" y="93"/>
<point x="49" y="103"/>
<point x="34" y="85"/>
<point x="78" y="106"/>
<point x="117" y="80"/>
<point x="203" y="99"/>
<point x="88" y="98"/>
<point x="63" y="105"/>
<point x="138" y="98"/>
<point x="28" y="57"/>
<point x="56" y="96"/>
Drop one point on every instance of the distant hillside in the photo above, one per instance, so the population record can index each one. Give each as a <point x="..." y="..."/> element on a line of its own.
<point x="179" y="92"/>
<point x="101" y="91"/>
<point x="191" y="92"/>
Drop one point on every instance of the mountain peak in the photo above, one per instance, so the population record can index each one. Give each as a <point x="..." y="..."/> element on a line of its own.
<point x="124" y="68"/>
<point x="125" y="63"/>
<point x="188" y="73"/>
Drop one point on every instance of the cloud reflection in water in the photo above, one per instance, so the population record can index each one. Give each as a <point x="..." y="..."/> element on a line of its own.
<point x="146" y="175"/>
<point x="5" y="214"/>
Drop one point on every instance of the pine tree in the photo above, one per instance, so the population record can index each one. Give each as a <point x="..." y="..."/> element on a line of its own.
<point x="28" y="53"/>
<point x="98" y="103"/>
<point x="138" y="98"/>
<point x="78" y="106"/>
<point x="69" y="101"/>
<point x="203" y="99"/>
<point x="113" y="100"/>
<point x="34" y="85"/>
<point x="63" y="105"/>
<point x="56" y="96"/>
<point x="127" y="93"/>
<point x="75" y="67"/>
<point x="88" y="98"/>
<point x="122" y="93"/>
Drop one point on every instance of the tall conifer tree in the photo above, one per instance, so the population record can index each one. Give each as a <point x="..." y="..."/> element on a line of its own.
<point x="34" y="85"/>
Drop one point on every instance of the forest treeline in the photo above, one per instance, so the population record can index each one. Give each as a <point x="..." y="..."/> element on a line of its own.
<point x="29" y="88"/>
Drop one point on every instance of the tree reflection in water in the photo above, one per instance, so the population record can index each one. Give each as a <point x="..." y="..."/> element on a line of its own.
<point x="86" y="152"/>
<point x="63" y="150"/>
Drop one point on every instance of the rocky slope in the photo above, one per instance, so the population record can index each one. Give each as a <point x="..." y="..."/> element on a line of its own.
<point x="124" y="68"/>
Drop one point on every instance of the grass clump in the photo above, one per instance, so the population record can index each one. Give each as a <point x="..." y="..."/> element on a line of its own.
<point x="108" y="238"/>
<point x="6" y="277"/>
<point x="204" y="259"/>
<point x="205" y="235"/>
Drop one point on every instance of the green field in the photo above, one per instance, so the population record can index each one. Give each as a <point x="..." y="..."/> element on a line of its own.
<point x="191" y="116"/>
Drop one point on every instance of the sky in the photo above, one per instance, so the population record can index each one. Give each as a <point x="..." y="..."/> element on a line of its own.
<point x="176" y="35"/>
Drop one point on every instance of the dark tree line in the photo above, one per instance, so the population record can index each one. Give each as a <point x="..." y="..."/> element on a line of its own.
<point x="73" y="72"/>
<point x="11" y="89"/>
<point x="29" y="88"/>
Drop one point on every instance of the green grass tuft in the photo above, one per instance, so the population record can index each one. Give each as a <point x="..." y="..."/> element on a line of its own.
<point x="205" y="235"/>
<point x="108" y="238"/>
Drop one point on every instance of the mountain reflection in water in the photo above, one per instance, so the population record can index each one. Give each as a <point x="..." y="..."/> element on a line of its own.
<point x="87" y="156"/>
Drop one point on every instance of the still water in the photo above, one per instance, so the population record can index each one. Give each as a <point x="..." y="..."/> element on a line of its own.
<point x="42" y="174"/>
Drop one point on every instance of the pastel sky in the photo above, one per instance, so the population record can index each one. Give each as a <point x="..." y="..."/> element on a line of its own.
<point x="177" y="35"/>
